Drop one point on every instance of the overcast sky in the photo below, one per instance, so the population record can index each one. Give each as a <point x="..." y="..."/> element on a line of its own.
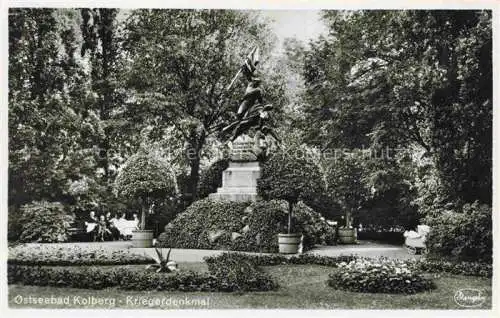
<point x="302" y="24"/>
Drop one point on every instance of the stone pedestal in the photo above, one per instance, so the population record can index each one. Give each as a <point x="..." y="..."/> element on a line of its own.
<point x="239" y="180"/>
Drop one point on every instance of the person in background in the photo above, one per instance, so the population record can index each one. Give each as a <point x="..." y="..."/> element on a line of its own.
<point x="111" y="224"/>
<point x="103" y="231"/>
<point x="136" y="219"/>
<point x="120" y="224"/>
<point x="91" y="225"/>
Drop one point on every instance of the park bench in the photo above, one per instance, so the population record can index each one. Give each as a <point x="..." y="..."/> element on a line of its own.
<point x="77" y="232"/>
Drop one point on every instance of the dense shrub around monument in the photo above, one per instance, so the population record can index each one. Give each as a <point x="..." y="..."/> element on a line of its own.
<point x="379" y="276"/>
<point x="211" y="178"/>
<point x="208" y="224"/>
<point x="43" y="221"/>
<point x="463" y="235"/>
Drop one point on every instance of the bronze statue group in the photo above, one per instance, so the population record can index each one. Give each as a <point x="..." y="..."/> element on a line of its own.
<point x="252" y="112"/>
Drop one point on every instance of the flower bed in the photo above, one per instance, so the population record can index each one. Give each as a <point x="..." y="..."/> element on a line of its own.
<point x="62" y="256"/>
<point x="423" y="264"/>
<point x="379" y="276"/>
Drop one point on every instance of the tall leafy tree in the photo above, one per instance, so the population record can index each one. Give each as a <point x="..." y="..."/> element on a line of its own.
<point x="405" y="78"/>
<point x="45" y="85"/>
<point x="183" y="61"/>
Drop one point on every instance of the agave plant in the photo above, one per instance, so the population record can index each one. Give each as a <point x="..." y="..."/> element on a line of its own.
<point x="163" y="263"/>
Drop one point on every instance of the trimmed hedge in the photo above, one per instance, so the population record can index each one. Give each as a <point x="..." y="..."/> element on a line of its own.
<point x="94" y="278"/>
<point x="278" y="259"/>
<point x="63" y="256"/>
<point x="226" y="274"/>
<point x="457" y="268"/>
<point x="379" y="276"/>
<point x="251" y="227"/>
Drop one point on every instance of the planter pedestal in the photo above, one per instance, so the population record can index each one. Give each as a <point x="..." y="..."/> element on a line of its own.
<point x="142" y="238"/>
<point x="347" y="236"/>
<point x="289" y="243"/>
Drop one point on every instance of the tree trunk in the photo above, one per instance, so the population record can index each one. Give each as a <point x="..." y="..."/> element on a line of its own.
<point x="193" y="150"/>
<point x="194" y="177"/>
<point x="348" y="216"/>
<point x="143" y="216"/>
<point x="290" y="211"/>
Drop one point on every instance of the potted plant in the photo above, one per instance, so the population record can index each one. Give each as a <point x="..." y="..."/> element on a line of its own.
<point x="144" y="176"/>
<point x="347" y="233"/>
<point x="347" y="186"/>
<point x="291" y="179"/>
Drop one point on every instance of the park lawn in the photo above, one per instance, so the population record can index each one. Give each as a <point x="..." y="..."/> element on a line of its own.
<point x="301" y="287"/>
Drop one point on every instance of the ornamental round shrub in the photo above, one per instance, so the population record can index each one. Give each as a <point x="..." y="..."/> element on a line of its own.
<point x="378" y="276"/>
<point x="44" y="222"/>
<point x="241" y="226"/>
<point x="289" y="178"/>
<point x="463" y="235"/>
<point x="144" y="175"/>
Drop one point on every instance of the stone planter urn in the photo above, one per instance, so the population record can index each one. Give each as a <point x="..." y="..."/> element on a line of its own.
<point x="142" y="238"/>
<point x="289" y="243"/>
<point x="347" y="235"/>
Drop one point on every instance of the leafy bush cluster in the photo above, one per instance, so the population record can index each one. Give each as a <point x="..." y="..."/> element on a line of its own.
<point x="252" y="227"/>
<point x="379" y="276"/>
<point x="62" y="256"/>
<point x="235" y="273"/>
<point x="211" y="178"/>
<point x="309" y="221"/>
<point x="463" y="234"/>
<point x="43" y="221"/>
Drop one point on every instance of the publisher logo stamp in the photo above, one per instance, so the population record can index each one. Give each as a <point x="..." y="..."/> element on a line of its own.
<point x="469" y="297"/>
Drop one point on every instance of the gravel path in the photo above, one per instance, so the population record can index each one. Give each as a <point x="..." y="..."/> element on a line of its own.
<point x="364" y="248"/>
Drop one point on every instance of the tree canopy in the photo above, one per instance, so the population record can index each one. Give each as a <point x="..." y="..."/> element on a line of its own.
<point x="406" y="79"/>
